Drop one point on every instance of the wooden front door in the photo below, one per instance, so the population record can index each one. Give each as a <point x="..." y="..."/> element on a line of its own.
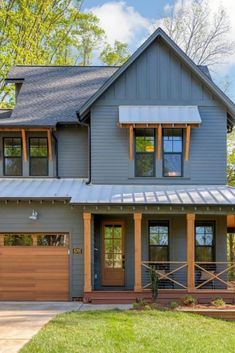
<point x="113" y="259"/>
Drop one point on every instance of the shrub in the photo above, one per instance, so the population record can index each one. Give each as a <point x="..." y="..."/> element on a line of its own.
<point x="139" y="304"/>
<point x="154" y="283"/>
<point x="189" y="300"/>
<point x="217" y="302"/>
<point x="173" y="305"/>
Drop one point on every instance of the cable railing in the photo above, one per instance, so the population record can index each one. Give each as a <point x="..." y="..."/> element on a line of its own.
<point x="171" y="274"/>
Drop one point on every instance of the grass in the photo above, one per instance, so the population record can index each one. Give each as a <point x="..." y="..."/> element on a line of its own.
<point x="133" y="332"/>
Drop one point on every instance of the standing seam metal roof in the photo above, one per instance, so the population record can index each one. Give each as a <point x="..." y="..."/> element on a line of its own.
<point x="78" y="192"/>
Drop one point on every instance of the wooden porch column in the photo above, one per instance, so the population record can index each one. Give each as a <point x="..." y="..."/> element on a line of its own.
<point x="87" y="251"/>
<point x="191" y="250"/>
<point x="137" y="226"/>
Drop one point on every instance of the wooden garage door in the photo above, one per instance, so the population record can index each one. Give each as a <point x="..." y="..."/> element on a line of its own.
<point x="34" y="267"/>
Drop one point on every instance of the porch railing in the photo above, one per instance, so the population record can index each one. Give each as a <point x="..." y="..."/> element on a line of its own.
<point x="171" y="274"/>
<point x="215" y="275"/>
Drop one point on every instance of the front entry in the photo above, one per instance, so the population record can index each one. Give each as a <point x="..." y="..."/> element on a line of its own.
<point x="113" y="258"/>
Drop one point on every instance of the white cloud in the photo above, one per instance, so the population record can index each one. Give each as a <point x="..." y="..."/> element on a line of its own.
<point x="122" y="22"/>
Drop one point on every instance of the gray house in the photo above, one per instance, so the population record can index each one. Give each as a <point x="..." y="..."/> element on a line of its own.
<point x="108" y="172"/>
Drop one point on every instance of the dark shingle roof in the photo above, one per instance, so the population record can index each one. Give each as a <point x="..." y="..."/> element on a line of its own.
<point x="205" y="70"/>
<point x="52" y="94"/>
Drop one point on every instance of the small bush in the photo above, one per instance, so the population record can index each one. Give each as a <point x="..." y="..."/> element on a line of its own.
<point x="173" y="305"/>
<point x="217" y="302"/>
<point x="189" y="300"/>
<point x="139" y="304"/>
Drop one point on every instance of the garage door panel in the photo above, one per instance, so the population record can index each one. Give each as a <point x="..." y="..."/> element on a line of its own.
<point x="34" y="273"/>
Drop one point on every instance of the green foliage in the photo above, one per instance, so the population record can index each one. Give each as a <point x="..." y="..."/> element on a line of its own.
<point x="174" y="304"/>
<point x="44" y="32"/>
<point x="189" y="300"/>
<point x="218" y="302"/>
<point x="154" y="284"/>
<point x="115" y="55"/>
<point x="231" y="159"/>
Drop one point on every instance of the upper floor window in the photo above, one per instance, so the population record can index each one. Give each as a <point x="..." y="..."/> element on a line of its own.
<point x="38" y="154"/>
<point x="12" y="156"/>
<point x="158" y="241"/>
<point x="144" y="152"/>
<point x="205" y="241"/>
<point x="172" y="152"/>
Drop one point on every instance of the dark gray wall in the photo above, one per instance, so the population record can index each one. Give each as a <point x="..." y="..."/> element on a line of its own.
<point x="72" y="152"/>
<point x="158" y="78"/>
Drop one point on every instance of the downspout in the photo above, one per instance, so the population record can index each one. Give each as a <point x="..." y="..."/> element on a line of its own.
<point x="89" y="149"/>
<point x="56" y="155"/>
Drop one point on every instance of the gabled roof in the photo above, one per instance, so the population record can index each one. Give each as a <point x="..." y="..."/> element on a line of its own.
<point x="197" y="70"/>
<point x="52" y="94"/>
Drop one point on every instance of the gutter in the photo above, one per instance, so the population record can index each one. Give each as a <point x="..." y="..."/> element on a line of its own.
<point x="56" y="154"/>
<point x="82" y="123"/>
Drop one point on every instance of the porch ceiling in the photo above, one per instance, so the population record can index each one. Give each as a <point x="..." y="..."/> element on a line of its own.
<point x="78" y="192"/>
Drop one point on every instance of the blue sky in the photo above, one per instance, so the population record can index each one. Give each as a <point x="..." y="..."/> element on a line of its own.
<point x="132" y="21"/>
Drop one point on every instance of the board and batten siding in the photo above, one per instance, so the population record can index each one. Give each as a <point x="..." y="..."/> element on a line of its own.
<point x="157" y="77"/>
<point x="56" y="217"/>
<point x="72" y="152"/>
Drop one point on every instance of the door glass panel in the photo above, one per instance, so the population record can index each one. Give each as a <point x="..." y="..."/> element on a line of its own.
<point x="52" y="240"/>
<point x="108" y="233"/>
<point x="117" y="263"/>
<point x="117" y="245"/>
<point x="108" y="245"/>
<point x="109" y="260"/>
<point x="113" y="246"/>
<point x="117" y="231"/>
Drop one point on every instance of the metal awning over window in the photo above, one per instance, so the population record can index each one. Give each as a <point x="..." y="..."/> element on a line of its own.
<point x="158" y="117"/>
<point x="159" y="114"/>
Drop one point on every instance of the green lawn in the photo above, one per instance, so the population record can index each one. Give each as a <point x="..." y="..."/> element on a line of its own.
<point x="133" y="332"/>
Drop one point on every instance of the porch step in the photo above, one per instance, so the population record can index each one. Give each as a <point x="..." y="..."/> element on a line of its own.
<point x="164" y="297"/>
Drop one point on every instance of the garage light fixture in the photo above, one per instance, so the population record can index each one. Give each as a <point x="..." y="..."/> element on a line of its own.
<point x="34" y="216"/>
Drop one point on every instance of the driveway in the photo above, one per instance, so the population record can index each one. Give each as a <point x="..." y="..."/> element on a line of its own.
<point x="20" y="321"/>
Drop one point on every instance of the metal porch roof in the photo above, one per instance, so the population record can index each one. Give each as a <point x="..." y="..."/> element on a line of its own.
<point x="78" y="192"/>
<point x="159" y="114"/>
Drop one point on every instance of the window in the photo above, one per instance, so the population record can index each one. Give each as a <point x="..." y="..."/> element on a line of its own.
<point x="144" y="152"/>
<point x="12" y="156"/>
<point x="172" y="152"/>
<point x="38" y="152"/>
<point x="205" y="243"/>
<point x="18" y="240"/>
<point x="159" y="241"/>
<point x="51" y="240"/>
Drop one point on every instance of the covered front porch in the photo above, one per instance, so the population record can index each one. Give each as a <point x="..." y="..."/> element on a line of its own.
<point x="190" y="248"/>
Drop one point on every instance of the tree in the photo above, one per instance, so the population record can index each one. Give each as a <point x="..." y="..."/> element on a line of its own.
<point x="204" y="41"/>
<point x="34" y="32"/>
<point x="89" y="37"/>
<point x="115" y="55"/>
<point x="231" y="159"/>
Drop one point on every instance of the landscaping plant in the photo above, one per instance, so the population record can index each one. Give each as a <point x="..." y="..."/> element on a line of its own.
<point x="189" y="300"/>
<point x="154" y="283"/>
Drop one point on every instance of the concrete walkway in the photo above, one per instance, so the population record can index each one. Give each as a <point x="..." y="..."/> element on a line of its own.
<point x="20" y="321"/>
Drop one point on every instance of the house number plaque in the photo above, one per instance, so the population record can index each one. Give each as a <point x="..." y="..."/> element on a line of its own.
<point x="77" y="251"/>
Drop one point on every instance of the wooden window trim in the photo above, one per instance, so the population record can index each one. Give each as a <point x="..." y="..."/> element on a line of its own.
<point x="4" y="157"/>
